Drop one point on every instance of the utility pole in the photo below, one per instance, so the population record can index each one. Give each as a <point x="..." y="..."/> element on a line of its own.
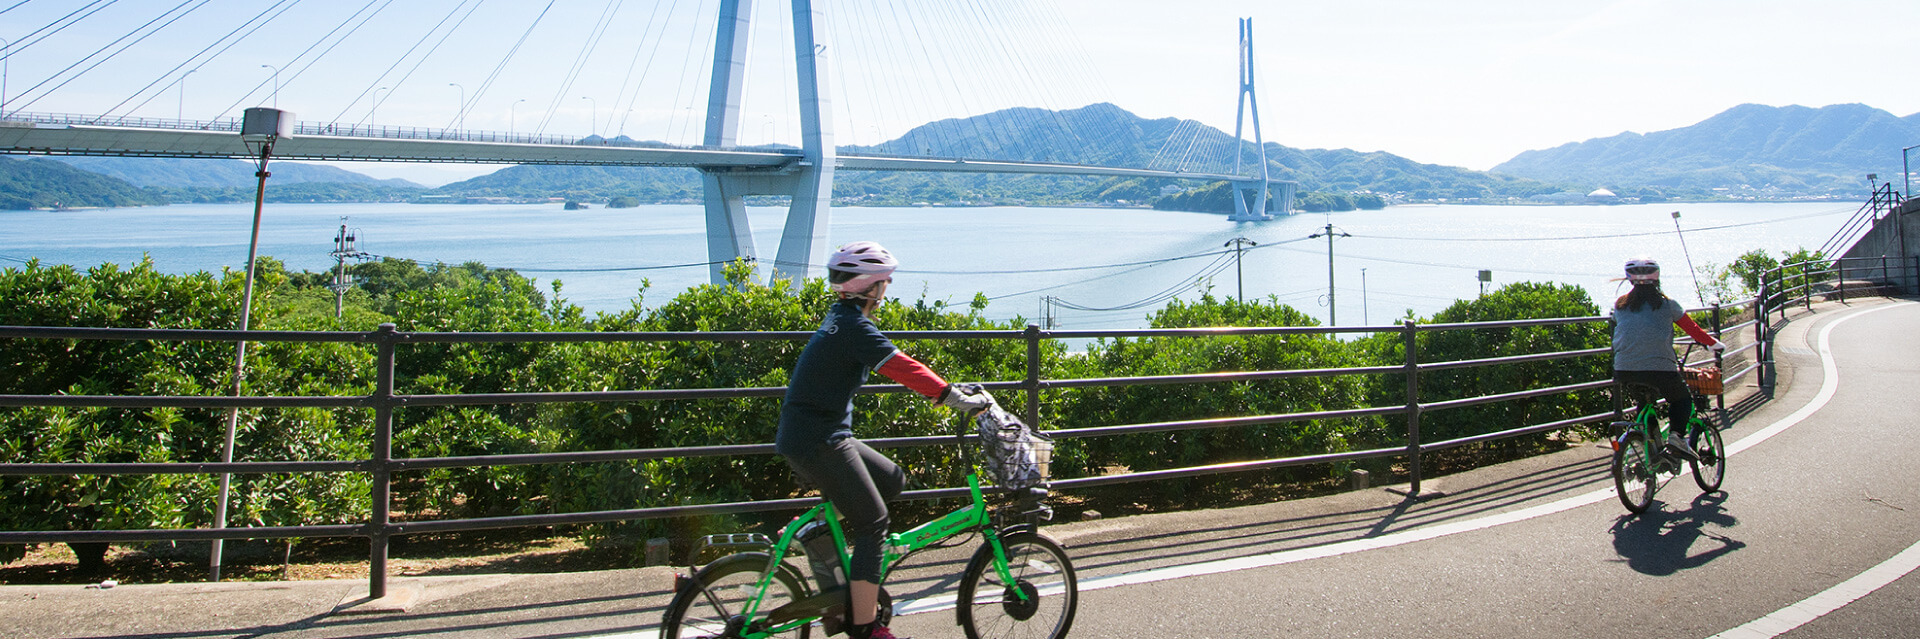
<point x="1239" y="245"/>
<point x="343" y="248"/>
<point x="1365" y="316"/>
<point x="1330" y="234"/>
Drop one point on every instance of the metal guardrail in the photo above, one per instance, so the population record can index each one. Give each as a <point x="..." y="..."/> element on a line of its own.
<point x="381" y="464"/>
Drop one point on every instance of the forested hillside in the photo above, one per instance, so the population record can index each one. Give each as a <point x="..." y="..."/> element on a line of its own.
<point x="1752" y="149"/>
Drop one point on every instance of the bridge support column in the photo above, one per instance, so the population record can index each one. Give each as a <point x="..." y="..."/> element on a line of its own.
<point x="804" y="242"/>
<point x="729" y="232"/>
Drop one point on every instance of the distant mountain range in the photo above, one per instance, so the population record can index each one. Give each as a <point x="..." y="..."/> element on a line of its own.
<point x="184" y="173"/>
<point x="1749" y="151"/>
<point x="1791" y="150"/>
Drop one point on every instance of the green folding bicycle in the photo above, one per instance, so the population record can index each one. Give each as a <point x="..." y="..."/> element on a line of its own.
<point x="1019" y="582"/>
<point x="1639" y="449"/>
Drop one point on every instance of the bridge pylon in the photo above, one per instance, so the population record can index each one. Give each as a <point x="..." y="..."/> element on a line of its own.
<point x="1250" y="101"/>
<point x="809" y="180"/>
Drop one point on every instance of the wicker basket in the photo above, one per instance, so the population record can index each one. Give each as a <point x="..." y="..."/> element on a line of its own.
<point x="1704" y="380"/>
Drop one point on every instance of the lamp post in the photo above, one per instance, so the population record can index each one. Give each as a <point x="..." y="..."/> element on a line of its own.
<point x="182" y="113"/>
<point x="593" y="119"/>
<point x="6" y="64"/>
<point x="1906" y="174"/>
<point x="460" y="116"/>
<point x="373" y="112"/>
<point x="1330" y="234"/>
<point x="510" y="115"/>
<point x="276" y="84"/>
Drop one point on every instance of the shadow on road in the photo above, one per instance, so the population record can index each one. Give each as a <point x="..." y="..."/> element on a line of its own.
<point x="1662" y="543"/>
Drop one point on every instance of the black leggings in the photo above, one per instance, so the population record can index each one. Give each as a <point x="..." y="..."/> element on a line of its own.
<point x="859" y="481"/>
<point x="1668" y="384"/>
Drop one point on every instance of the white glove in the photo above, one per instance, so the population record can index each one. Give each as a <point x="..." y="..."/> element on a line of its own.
<point x="966" y="398"/>
<point x="1719" y="347"/>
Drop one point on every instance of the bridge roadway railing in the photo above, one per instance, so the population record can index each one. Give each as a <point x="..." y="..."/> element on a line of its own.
<point x="381" y="465"/>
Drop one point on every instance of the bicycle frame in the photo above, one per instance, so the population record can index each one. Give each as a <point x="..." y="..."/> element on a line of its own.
<point x="975" y="516"/>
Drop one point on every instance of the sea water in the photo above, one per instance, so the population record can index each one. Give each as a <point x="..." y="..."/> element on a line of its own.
<point x="1029" y="262"/>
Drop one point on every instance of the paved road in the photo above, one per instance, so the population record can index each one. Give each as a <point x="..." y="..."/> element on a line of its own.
<point x="1820" y="503"/>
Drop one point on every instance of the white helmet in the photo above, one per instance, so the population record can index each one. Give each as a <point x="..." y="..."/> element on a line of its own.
<point x="1643" y="269"/>
<point x="856" y="267"/>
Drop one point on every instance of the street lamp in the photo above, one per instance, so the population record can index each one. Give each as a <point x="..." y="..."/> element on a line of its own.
<point x="510" y="114"/>
<point x="182" y="114"/>
<point x="276" y="84"/>
<point x="6" y="64"/>
<point x="460" y="116"/>
<point x="373" y="112"/>
<point x="593" y="119"/>
<point x="1906" y="174"/>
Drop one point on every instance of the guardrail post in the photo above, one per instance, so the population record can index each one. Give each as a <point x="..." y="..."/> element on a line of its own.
<point x="382" y="458"/>
<point x="1032" y="335"/>
<point x="1761" y="318"/>
<point x="1840" y="283"/>
<point x="1719" y="361"/>
<point x="1408" y="333"/>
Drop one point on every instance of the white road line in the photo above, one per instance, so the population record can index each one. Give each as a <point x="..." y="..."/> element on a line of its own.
<point x="1830" y="384"/>
<point x="1787" y="619"/>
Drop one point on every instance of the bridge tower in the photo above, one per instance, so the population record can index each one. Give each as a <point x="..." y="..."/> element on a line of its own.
<point x="1248" y="99"/>
<point x="809" y="181"/>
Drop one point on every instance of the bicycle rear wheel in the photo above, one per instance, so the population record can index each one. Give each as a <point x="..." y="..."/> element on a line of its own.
<point x="990" y="607"/>
<point x="1633" y="480"/>
<point x="1711" y="467"/>
<point x="721" y="591"/>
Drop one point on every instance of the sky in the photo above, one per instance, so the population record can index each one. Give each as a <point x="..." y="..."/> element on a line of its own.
<point x="1463" y="83"/>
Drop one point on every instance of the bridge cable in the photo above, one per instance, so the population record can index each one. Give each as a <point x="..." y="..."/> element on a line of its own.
<point x="627" y="79"/>
<point x="494" y="75"/>
<point x="363" y="22"/>
<point x="580" y="60"/>
<point x="15" y="6"/>
<point x="27" y="41"/>
<point x="680" y="87"/>
<point x="190" y="60"/>
<point x="104" y="48"/>
<point x="370" y="88"/>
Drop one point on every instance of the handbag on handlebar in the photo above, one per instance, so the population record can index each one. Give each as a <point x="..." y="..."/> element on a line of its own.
<point x="1017" y="456"/>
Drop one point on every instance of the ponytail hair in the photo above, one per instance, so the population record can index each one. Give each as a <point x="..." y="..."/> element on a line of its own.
<point x="1643" y="294"/>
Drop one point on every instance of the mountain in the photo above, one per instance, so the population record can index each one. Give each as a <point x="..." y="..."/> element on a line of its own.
<point x="219" y="173"/>
<point x="1751" y="148"/>
<point x="1099" y="134"/>
<point x="44" y="183"/>
<point x="586" y="183"/>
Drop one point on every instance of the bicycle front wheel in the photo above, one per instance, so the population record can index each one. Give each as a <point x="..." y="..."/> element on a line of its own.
<point x="721" y="591"/>
<point x="1633" y="479"/>
<point x="1711" y="466"/>
<point x="991" y="607"/>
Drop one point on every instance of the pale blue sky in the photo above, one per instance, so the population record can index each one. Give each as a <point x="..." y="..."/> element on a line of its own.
<point x="1457" y="83"/>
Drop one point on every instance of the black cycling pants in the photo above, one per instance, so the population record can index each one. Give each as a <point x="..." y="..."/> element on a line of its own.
<point x="1668" y="384"/>
<point x="859" y="481"/>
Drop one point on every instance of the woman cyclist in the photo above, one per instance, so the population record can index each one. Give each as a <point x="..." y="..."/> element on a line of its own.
<point x="816" y="420"/>
<point x="1643" y="321"/>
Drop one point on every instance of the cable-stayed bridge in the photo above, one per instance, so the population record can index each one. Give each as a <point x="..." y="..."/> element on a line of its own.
<point x="731" y="170"/>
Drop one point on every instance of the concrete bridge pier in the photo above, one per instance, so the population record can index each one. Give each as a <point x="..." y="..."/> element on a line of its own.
<point x="809" y="181"/>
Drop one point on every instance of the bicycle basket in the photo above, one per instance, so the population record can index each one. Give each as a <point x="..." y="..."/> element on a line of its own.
<point x="1704" y="380"/>
<point x="1016" y="456"/>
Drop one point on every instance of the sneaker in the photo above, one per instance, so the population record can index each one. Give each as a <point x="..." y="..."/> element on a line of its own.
<point x="877" y="631"/>
<point x="1681" y="447"/>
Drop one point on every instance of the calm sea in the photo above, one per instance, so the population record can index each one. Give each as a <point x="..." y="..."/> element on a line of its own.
<point x="1417" y="258"/>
